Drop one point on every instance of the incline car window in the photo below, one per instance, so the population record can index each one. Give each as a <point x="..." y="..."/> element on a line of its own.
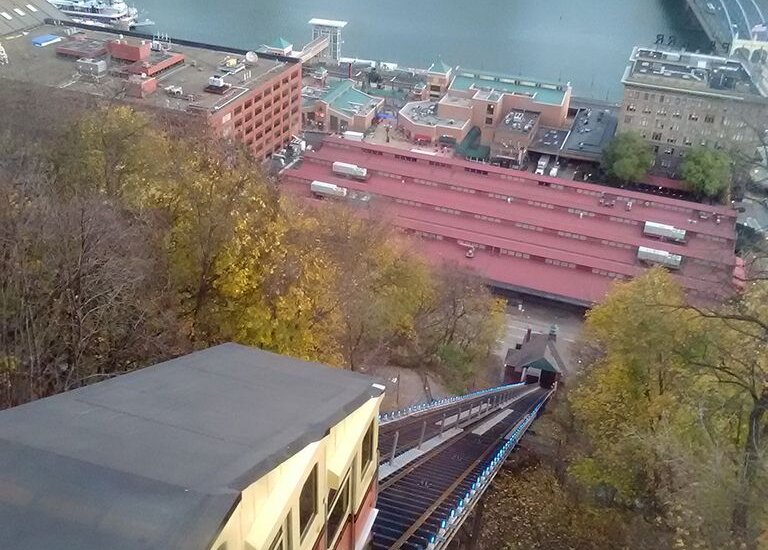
<point x="308" y="502"/>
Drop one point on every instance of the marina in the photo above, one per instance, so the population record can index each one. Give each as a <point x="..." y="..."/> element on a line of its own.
<point x="512" y="37"/>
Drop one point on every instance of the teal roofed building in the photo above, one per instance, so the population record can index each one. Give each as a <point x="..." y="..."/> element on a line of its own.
<point x="341" y="107"/>
<point x="541" y="92"/>
<point x="440" y="67"/>
<point x="536" y="359"/>
<point x="280" y="46"/>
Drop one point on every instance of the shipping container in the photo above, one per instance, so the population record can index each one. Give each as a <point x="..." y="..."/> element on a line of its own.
<point x="349" y="170"/>
<point x="322" y="189"/>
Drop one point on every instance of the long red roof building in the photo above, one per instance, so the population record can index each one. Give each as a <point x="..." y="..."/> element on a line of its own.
<point x="551" y="237"/>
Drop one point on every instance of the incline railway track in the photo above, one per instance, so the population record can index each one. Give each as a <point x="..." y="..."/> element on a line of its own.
<point x="415" y="501"/>
<point x="410" y="430"/>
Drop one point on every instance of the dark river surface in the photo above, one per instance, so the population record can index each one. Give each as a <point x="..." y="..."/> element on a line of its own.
<point x="586" y="42"/>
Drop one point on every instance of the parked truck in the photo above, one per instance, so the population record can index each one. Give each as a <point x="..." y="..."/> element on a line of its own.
<point x="353" y="136"/>
<point x="541" y="167"/>
<point x="350" y="170"/>
<point x="322" y="189"/>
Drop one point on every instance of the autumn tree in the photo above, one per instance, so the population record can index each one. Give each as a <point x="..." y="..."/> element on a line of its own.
<point x="707" y="172"/>
<point x="733" y="355"/>
<point x="82" y="291"/>
<point x="627" y="157"/>
<point x="456" y="326"/>
<point x="673" y="411"/>
<point x="380" y="280"/>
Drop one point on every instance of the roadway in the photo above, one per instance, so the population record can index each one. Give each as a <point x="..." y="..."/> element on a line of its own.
<point x="722" y="20"/>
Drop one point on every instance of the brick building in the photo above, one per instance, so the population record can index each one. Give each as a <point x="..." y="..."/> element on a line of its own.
<point x="679" y="100"/>
<point x="539" y="235"/>
<point x="250" y="98"/>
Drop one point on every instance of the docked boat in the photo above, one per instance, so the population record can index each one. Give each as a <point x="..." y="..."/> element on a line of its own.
<point x="101" y="13"/>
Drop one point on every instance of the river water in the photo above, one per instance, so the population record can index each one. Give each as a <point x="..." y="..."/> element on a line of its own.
<point x="586" y="42"/>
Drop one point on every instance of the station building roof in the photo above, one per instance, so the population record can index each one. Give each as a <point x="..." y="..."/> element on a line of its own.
<point x="562" y="239"/>
<point x="539" y="352"/>
<point x="157" y="458"/>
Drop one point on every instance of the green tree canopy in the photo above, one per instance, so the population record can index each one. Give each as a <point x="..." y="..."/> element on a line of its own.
<point x="707" y="172"/>
<point x="627" y="157"/>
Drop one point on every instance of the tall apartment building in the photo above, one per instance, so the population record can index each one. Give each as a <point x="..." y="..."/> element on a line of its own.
<point x="248" y="97"/>
<point x="680" y="100"/>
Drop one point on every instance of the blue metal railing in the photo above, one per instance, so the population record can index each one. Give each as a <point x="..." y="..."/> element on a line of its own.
<point x="453" y="520"/>
<point x="436" y="403"/>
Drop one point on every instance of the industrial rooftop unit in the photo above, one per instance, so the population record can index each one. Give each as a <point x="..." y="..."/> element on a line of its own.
<point x="664" y="231"/>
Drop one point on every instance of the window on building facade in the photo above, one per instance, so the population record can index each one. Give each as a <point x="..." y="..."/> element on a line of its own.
<point x="660" y="124"/>
<point x="656" y="136"/>
<point x="661" y="98"/>
<point x="643" y="121"/>
<point x="676" y="114"/>
<point x="631" y="107"/>
<point x="308" y="501"/>
<point x="645" y="96"/>
<point x="709" y="119"/>
<point x="646" y="110"/>
<point x="489" y="109"/>
<point x="693" y="116"/>
<point x="628" y="119"/>
<point x="489" y="120"/>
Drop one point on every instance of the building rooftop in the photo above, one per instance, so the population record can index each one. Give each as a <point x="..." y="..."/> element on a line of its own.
<point x="541" y="92"/>
<point x="185" y="67"/>
<point x="157" y="458"/>
<point x="539" y="352"/>
<point x="21" y="15"/>
<point x="425" y="112"/>
<point x="280" y="44"/>
<point x="689" y="72"/>
<point x="439" y="67"/>
<point x="519" y="121"/>
<point x="548" y="140"/>
<point x="328" y="22"/>
<point x="563" y="239"/>
<point x="342" y="96"/>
